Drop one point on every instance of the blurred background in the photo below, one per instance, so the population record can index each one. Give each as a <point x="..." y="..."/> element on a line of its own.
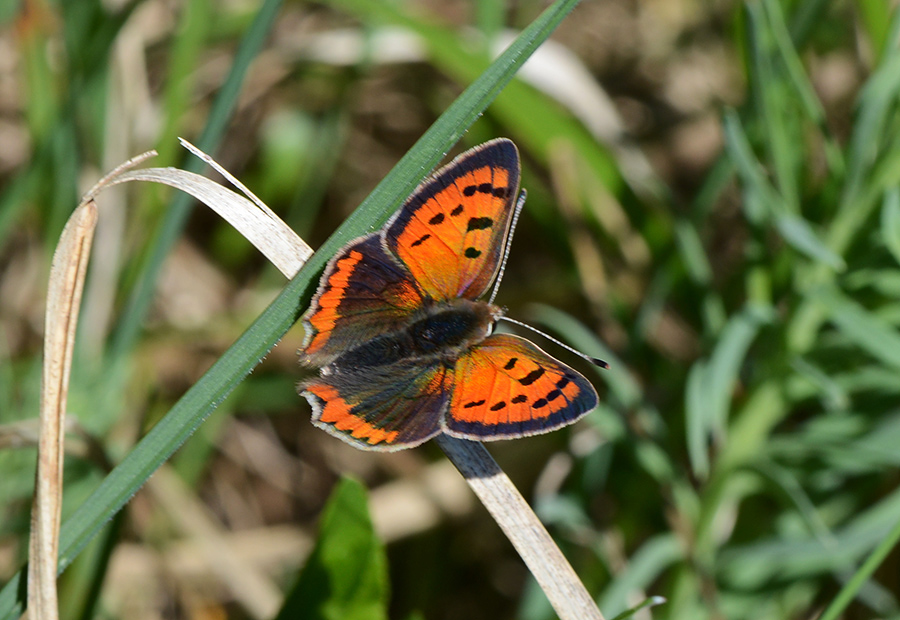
<point x="713" y="208"/>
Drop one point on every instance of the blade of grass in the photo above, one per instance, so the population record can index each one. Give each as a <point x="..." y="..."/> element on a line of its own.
<point x="890" y="222"/>
<point x="711" y="384"/>
<point x="697" y="416"/>
<point x="795" y="230"/>
<point x="862" y="327"/>
<point x="772" y="102"/>
<point x="200" y="400"/>
<point x="800" y="81"/>
<point x="644" y="567"/>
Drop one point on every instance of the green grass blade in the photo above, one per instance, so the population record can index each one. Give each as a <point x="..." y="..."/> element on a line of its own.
<point x="862" y="327"/>
<point x="711" y="384"/>
<point x="177" y="425"/>
<point x="644" y="567"/>
<point x="769" y="204"/>
<point x="772" y="100"/>
<point x="800" y="82"/>
<point x="890" y="222"/>
<point x="697" y="418"/>
<point x="799" y="234"/>
<point x="853" y="586"/>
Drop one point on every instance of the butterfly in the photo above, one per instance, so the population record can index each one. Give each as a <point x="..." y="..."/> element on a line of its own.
<point x="402" y="339"/>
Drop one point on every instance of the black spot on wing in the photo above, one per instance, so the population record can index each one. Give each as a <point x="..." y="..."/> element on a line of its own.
<point x="539" y="403"/>
<point x="473" y="403"/>
<point x="472" y="253"/>
<point x="437" y="219"/>
<point x="419" y="241"/>
<point x="511" y="363"/>
<point x="532" y="376"/>
<point x="498" y="406"/>
<point x="479" y="223"/>
<point x="501" y="192"/>
<point x="484" y="188"/>
<point x="521" y="398"/>
<point x="456" y="210"/>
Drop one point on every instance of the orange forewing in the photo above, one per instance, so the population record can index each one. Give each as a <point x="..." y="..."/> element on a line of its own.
<point x="508" y="387"/>
<point x="452" y="232"/>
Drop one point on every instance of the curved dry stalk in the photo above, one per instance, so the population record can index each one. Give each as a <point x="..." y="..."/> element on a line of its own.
<point x="525" y="531"/>
<point x="269" y="234"/>
<point x="67" y="271"/>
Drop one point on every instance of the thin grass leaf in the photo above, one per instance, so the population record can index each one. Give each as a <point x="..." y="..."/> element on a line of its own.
<point x="826" y="387"/>
<point x="876" y="104"/>
<point x="800" y="235"/>
<point x="773" y="102"/>
<point x="890" y="222"/>
<point x="697" y="418"/>
<point x="200" y="400"/>
<point x="750" y="566"/>
<point x="745" y="162"/>
<point x="752" y="428"/>
<point x="795" y="230"/>
<point x="692" y="253"/>
<point x="644" y="567"/>
<point x="653" y="601"/>
<point x="727" y="359"/>
<point x="800" y="81"/>
<point x="710" y="385"/>
<point x="862" y="327"/>
<point x="852" y="587"/>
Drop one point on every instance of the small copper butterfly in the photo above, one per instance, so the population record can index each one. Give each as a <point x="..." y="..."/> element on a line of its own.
<point x="402" y="340"/>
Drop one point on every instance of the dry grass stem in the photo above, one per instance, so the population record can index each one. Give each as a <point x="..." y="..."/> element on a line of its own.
<point x="569" y="597"/>
<point x="262" y="228"/>
<point x="67" y="272"/>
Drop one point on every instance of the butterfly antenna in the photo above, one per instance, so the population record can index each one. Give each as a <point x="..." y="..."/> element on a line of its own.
<point x="512" y="228"/>
<point x="593" y="360"/>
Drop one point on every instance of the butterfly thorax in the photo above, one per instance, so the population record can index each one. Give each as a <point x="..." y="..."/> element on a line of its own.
<point x="441" y="330"/>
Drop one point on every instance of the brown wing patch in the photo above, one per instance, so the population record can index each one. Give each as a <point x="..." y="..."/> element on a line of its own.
<point x="363" y="293"/>
<point x="338" y="413"/>
<point x="385" y="408"/>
